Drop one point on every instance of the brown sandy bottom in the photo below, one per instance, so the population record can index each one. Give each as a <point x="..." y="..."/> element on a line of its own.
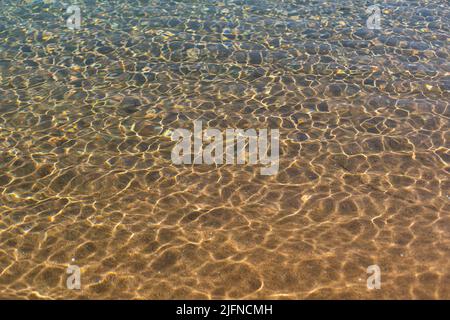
<point x="86" y="176"/>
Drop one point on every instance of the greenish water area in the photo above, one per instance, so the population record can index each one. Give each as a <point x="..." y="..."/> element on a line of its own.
<point x="87" y="180"/>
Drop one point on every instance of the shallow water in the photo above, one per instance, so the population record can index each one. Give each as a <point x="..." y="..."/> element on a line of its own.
<point x="86" y="176"/>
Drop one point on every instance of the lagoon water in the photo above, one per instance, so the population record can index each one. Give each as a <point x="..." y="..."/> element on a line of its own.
<point x="86" y="177"/>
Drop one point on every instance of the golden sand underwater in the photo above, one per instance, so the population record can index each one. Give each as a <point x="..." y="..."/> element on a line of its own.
<point x="86" y="177"/>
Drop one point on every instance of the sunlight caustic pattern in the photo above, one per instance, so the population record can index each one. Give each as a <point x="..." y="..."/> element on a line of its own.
<point x="87" y="180"/>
